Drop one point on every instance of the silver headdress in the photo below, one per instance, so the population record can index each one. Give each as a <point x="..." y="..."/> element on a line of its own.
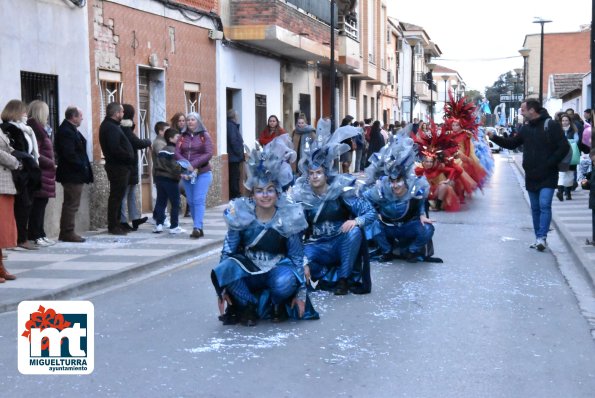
<point x="326" y="149"/>
<point x="395" y="159"/>
<point x="270" y="164"/>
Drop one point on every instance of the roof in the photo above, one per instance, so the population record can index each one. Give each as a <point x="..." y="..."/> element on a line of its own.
<point x="566" y="83"/>
<point x="443" y="69"/>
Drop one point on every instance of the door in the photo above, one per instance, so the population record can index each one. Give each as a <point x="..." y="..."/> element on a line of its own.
<point x="144" y="132"/>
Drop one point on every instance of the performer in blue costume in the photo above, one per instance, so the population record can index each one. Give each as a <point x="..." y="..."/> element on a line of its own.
<point x="261" y="273"/>
<point x="399" y="197"/>
<point x="336" y="251"/>
<point x="483" y="150"/>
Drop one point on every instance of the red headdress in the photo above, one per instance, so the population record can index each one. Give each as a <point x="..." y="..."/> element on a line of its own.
<point x="435" y="144"/>
<point x="461" y="111"/>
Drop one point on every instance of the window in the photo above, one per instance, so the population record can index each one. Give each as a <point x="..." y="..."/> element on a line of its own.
<point x="353" y="89"/>
<point x="192" y="97"/>
<point x="365" y="102"/>
<point x="110" y="89"/>
<point x="39" y="86"/>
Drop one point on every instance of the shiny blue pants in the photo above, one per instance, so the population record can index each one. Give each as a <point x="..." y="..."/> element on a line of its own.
<point x="340" y="251"/>
<point x="412" y="236"/>
<point x="280" y="281"/>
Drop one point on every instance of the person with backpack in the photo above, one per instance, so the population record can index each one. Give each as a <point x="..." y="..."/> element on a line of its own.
<point x="545" y="147"/>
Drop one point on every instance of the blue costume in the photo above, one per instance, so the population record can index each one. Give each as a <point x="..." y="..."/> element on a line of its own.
<point x="332" y="254"/>
<point x="483" y="151"/>
<point x="337" y="260"/>
<point x="399" y="213"/>
<point x="262" y="262"/>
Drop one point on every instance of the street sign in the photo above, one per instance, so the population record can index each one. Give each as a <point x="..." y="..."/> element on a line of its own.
<point x="511" y="98"/>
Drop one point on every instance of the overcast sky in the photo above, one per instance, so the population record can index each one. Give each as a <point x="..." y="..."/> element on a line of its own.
<point x="476" y="36"/>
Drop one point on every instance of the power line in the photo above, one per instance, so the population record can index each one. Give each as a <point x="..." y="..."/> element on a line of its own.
<point x="476" y="59"/>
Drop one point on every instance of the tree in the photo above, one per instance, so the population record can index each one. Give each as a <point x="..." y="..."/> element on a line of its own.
<point x="473" y="96"/>
<point x="503" y="85"/>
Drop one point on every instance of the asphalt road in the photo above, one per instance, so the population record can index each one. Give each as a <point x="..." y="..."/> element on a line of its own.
<point x="496" y="319"/>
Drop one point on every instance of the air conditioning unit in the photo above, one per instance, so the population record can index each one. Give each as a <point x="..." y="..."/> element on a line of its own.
<point x="215" y="34"/>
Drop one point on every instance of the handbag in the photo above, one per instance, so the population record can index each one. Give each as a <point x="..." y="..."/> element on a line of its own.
<point x="576" y="153"/>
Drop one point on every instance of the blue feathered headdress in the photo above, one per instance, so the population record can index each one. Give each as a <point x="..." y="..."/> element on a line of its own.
<point x="270" y="164"/>
<point x="327" y="148"/>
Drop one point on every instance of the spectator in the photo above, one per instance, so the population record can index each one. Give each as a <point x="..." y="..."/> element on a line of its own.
<point x="74" y="170"/>
<point x="347" y="156"/>
<point x="359" y="146"/>
<point x="28" y="180"/>
<point x="272" y="130"/>
<point x="376" y="140"/>
<point x="167" y="176"/>
<point x="235" y="153"/>
<point x="195" y="146"/>
<point x="178" y="122"/>
<point x="127" y="125"/>
<point x="38" y="118"/>
<point x="157" y="145"/>
<point x="8" y="228"/>
<point x="119" y="159"/>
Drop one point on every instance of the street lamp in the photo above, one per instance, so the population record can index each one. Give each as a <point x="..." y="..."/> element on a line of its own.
<point x="445" y="78"/>
<point x="519" y="76"/>
<point x="431" y="66"/>
<point x="454" y="89"/>
<point x="525" y="53"/>
<point x="541" y="22"/>
<point x="412" y="41"/>
<point x="333" y="76"/>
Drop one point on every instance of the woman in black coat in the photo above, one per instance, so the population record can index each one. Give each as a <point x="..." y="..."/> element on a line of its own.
<point x="129" y="201"/>
<point x="376" y="140"/>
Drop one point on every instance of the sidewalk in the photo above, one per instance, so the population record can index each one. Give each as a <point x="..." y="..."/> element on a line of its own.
<point x="66" y="268"/>
<point x="572" y="219"/>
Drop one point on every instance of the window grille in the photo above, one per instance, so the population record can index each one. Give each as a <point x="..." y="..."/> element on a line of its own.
<point x="43" y="87"/>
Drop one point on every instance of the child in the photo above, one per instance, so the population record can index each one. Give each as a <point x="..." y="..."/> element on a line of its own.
<point x="167" y="177"/>
<point x="158" y="144"/>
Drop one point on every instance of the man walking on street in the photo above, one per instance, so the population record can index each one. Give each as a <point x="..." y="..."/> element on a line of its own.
<point x="544" y="147"/>
<point x="119" y="156"/>
<point x="73" y="170"/>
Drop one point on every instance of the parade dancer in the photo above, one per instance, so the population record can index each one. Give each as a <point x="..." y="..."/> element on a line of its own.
<point x="261" y="273"/>
<point x="335" y="247"/>
<point x="399" y="197"/>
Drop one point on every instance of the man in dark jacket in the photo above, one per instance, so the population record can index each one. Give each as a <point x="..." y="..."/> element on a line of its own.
<point x="73" y="170"/>
<point x="544" y="147"/>
<point x="235" y="153"/>
<point x="119" y="157"/>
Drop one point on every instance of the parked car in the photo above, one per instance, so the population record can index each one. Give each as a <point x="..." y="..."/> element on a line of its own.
<point x="493" y="146"/>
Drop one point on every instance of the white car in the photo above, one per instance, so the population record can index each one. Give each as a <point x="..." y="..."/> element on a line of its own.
<point x="493" y="146"/>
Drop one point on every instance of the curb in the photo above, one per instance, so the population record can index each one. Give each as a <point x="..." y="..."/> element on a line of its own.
<point x="107" y="280"/>
<point x="564" y="234"/>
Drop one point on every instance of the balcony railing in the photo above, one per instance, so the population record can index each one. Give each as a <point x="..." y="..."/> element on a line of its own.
<point x="320" y="9"/>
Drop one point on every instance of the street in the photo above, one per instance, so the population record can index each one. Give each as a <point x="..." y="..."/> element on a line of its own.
<point x="496" y="319"/>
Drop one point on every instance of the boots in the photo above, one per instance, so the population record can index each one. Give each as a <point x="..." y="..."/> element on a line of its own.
<point x="567" y="193"/>
<point x="560" y="193"/>
<point x="342" y="287"/>
<point x="4" y="274"/>
<point x="249" y="315"/>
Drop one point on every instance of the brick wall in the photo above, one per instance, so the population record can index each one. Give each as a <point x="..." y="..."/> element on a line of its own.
<point x="273" y="12"/>
<point x="124" y="38"/>
<point x="565" y="53"/>
<point x="206" y="5"/>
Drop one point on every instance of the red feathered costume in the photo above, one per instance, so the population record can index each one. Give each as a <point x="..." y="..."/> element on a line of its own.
<point x="460" y="121"/>
<point x="448" y="181"/>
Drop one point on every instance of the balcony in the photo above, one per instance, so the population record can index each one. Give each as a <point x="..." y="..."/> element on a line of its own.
<point x="297" y="29"/>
